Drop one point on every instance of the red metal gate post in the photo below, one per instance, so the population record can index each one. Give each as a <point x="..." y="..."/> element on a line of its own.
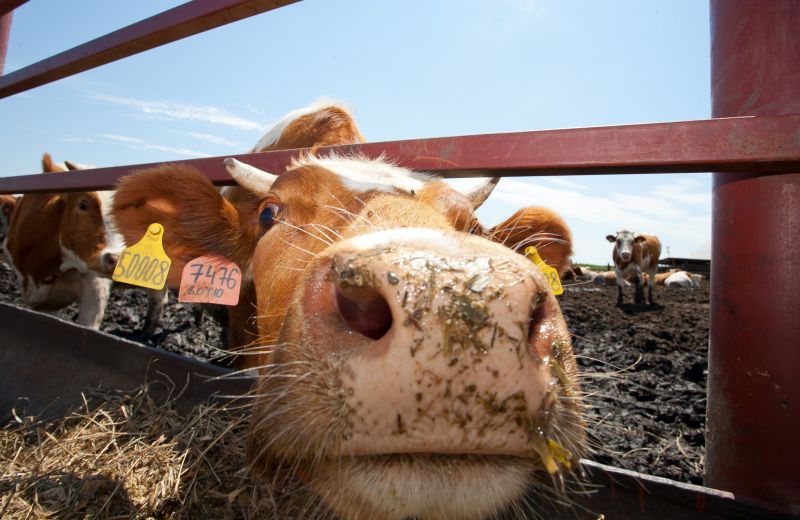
<point x="753" y="424"/>
<point x="5" y="31"/>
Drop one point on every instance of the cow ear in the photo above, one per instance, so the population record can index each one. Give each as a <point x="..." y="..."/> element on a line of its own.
<point x="611" y="238"/>
<point x="638" y="238"/>
<point x="197" y="220"/>
<point x="539" y="227"/>
<point x="48" y="166"/>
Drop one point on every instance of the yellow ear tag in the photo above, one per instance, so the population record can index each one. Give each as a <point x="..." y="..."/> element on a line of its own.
<point x="145" y="263"/>
<point x="552" y="275"/>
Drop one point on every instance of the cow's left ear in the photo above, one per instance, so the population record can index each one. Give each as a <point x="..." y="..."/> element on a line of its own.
<point x="611" y="238"/>
<point x="638" y="238"/>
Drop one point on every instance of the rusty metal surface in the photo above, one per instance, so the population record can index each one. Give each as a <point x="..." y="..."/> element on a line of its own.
<point x="753" y="417"/>
<point x="5" y="32"/>
<point x="169" y="26"/>
<point x="47" y="362"/>
<point x="737" y="144"/>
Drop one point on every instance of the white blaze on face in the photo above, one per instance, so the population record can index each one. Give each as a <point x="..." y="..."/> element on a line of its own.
<point x="361" y="175"/>
<point x="114" y="241"/>
<point x="624" y="245"/>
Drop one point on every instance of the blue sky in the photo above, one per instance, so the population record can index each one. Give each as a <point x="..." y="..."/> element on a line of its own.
<point x="407" y="69"/>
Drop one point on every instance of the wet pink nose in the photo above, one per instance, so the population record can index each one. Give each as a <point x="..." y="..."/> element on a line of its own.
<point x="437" y="346"/>
<point x="109" y="261"/>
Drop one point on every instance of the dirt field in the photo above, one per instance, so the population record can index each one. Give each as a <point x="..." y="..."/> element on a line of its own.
<point x="644" y="368"/>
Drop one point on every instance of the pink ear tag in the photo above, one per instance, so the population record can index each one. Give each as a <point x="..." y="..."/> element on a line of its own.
<point x="210" y="279"/>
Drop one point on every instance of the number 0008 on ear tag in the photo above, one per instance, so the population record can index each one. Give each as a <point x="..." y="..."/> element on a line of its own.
<point x="210" y="279"/>
<point x="549" y="272"/>
<point x="145" y="263"/>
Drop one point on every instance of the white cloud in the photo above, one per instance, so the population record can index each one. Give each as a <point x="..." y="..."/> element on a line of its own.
<point x="566" y="183"/>
<point x="123" y="138"/>
<point x="173" y="110"/>
<point x="76" y="140"/>
<point x="215" y="139"/>
<point x="140" y="144"/>
<point x="685" y="191"/>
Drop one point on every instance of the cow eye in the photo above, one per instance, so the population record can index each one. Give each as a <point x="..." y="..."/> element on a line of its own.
<point x="83" y="205"/>
<point x="268" y="216"/>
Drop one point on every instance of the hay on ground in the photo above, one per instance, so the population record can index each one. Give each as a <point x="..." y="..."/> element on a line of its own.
<point x="127" y="455"/>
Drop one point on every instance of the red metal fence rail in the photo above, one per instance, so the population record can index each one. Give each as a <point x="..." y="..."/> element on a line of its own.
<point x="754" y="391"/>
<point x="182" y="21"/>
<point x="743" y="144"/>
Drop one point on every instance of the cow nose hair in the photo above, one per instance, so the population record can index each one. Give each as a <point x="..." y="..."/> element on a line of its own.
<point x="363" y="309"/>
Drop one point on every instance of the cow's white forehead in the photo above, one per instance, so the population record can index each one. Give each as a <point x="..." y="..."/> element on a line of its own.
<point x="362" y="174"/>
<point x="274" y="133"/>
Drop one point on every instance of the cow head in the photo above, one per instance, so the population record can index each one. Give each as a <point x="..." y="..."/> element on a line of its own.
<point x="624" y="243"/>
<point x="406" y="368"/>
<point x="88" y="240"/>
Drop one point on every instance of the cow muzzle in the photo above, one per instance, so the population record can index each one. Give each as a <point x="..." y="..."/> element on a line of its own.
<point x="449" y="346"/>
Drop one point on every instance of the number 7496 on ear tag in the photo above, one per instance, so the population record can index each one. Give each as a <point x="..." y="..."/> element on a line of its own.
<point x="144" y="263"/>
<point x="549" y="272"/>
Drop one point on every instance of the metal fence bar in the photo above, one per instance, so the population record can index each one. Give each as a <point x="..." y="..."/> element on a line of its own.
<point x="177" y="23"/>
<point x="753" y="415"/>
<point x="5" y="32"/>
<point x="6" y="6"/>
<point x="734" y="144"/>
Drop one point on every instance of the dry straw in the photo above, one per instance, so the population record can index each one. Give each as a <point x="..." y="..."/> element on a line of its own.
<point x="130" y="455"/>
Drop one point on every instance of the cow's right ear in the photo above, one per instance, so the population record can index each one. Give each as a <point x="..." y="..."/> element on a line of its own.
<point x="197" y="220"/>
<point x="611" y="238"/>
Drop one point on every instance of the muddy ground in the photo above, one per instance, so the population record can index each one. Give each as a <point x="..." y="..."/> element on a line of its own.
<point x="644" y="368"/>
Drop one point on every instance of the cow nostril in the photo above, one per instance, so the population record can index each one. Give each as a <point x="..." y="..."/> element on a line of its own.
<point x="538" y="313"/>
<point x="364" y="310"/>
<point x="110" y="260"/>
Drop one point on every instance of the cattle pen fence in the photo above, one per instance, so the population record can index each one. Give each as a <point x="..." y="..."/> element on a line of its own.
<point x="752" y="143"/>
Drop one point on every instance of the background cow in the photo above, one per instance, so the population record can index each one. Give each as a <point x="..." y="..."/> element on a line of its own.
<point x="633" y="254"/>
<point x="64" y="248"/>
<point x="682" y="279"/>
<point x="395" y="350"/>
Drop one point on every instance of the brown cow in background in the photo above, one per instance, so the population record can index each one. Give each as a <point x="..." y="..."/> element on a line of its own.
<point x="633" y="254"/>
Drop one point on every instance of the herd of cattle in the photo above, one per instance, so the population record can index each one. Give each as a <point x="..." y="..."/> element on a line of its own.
<point x="410" y="362"/>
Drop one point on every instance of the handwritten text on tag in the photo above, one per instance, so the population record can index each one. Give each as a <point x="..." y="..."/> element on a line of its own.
<point x="210" y="279"/>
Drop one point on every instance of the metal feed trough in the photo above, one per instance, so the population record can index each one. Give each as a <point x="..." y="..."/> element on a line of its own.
<point x="753" y="423"/>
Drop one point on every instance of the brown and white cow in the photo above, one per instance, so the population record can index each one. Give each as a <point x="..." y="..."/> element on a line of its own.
<point x="327" y="123"/>
<point x="64" y="248"/>
<point x="407" y="369"/>
<point x="682" y="279"/>
<point x="633" y="254"/>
